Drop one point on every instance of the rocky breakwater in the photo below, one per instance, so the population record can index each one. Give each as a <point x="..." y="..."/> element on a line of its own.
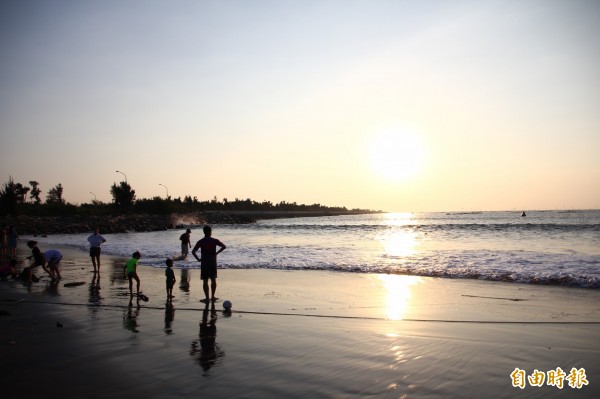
<point x="44" y="225"/>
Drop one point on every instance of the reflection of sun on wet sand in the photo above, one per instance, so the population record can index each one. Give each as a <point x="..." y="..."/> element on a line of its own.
<point x="398" y="294"/>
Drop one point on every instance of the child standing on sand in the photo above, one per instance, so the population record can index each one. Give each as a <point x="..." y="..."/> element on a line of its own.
<point x="170" y="278"/>
<point x="130" y="271"/>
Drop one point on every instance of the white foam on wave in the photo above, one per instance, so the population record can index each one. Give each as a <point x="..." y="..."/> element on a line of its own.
<point x="559" y="249"/>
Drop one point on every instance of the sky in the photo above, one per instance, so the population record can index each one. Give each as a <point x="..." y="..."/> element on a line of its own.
<point x="401" y="106"/>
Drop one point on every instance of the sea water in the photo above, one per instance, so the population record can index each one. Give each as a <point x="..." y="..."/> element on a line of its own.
<point x="543" y="247"/>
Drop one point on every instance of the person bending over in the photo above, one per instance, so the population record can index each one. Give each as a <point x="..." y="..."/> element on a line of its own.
<point x="53" y="257"/>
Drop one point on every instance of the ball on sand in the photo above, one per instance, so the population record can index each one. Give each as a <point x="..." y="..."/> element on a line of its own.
<point x="227" y="305"/>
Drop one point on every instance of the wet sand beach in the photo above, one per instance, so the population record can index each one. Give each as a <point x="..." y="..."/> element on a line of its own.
<point x="292" y="334"/>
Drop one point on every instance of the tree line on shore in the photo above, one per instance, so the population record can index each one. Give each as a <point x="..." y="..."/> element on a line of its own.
<point x="20" y="199"/>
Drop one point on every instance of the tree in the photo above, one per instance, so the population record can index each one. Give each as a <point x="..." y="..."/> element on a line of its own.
<point x="34" y="194"/>
<point x="8" y="197"/>
<point x="11" y="195"/>
<point x="123" y="195"/>
<point x="55" y="195"/>
<point x="21" y="192"/>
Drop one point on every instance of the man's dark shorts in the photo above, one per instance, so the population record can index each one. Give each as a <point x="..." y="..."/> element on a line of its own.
<point x="94" y="252"/>
<point x="208" y="271"/>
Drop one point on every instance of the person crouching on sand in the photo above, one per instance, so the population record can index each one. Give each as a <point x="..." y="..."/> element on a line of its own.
<point x="130" y="271"/>
<point x="38" y="260"/>
<point x="9" y="269"/>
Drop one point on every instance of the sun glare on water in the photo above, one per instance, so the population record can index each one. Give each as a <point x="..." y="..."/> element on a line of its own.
<point x="397" y="155"/>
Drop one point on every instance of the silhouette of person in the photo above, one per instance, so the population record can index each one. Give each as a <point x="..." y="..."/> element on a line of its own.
<point x="208" y="261"/>
<point x="95" y="240"/>
<point x="130" y="271"/>
<point x="170" y="277"/>
<point x="185" y="243"/>
<point x="12" y="238"/>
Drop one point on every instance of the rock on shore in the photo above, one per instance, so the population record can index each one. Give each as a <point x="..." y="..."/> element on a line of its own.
<point x="118" y="224"/>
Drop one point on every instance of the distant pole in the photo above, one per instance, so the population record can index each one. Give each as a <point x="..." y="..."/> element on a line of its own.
<point x="93" y="195"/>
<point x="166" y="188"/>
<point x="118" y="171"/>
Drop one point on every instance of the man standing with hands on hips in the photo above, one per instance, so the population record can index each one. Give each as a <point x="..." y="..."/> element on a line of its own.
<point x="208" y="261"/>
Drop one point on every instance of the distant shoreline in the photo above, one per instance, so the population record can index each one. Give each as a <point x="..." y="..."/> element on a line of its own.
<point x="43" y="225"/>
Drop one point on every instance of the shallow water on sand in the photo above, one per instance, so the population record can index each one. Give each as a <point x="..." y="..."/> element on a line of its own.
<point x="293" y="334"/>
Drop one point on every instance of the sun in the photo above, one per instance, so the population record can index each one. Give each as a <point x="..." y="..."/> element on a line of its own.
<point x="397" y="155"/>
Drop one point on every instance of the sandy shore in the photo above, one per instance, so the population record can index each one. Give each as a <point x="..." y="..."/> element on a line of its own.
<point x="292" y="334"/>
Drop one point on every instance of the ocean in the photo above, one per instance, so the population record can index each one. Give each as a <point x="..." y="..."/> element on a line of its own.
<point x="543" y="247"/>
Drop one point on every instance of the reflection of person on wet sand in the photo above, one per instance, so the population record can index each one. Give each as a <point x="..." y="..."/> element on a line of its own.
<point x="206" y="349"/>
<point x="52" y="288"/>
<point x="95" y="289"/>
<point x="169" y="317"/>
<point x="129" y="320"/>
<point x="96" y="282"/>
<point x="184" y="280"/>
